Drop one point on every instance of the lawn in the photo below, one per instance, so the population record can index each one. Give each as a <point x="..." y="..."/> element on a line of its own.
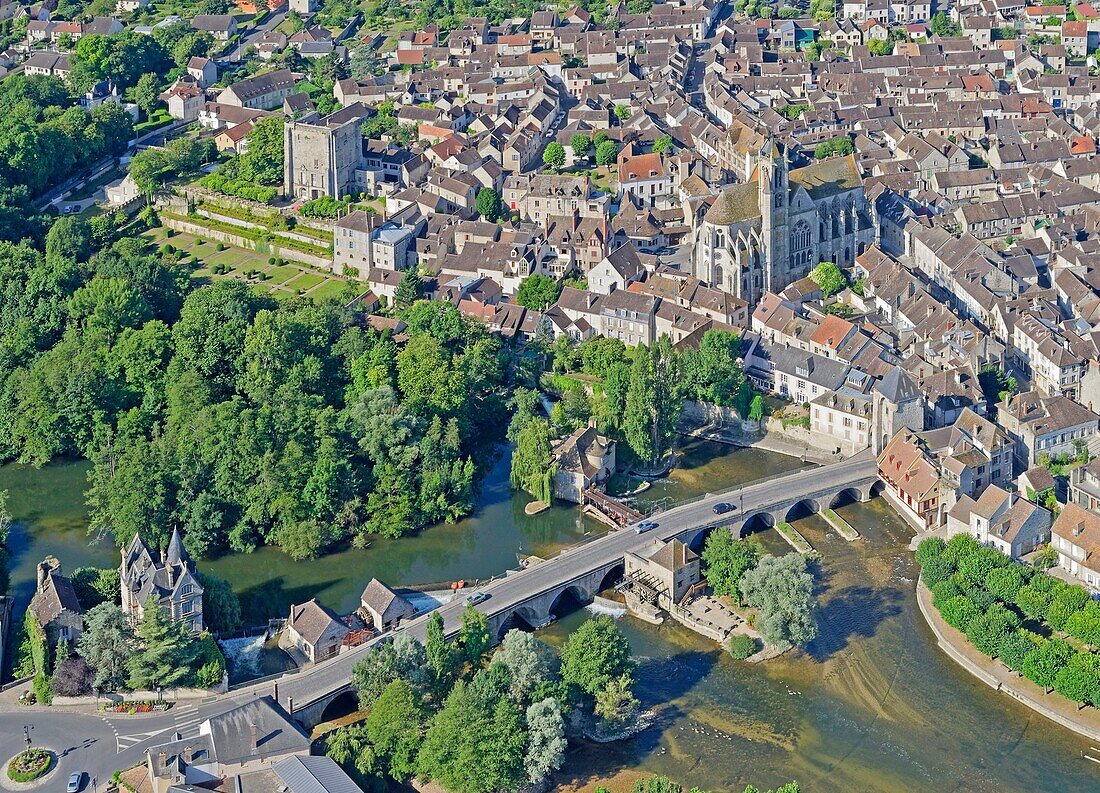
<point x="159" y="118"/>
<point x="283" y="280"/>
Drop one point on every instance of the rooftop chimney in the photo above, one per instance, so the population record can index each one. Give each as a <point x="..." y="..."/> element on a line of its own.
<point x="188" y="753"/>
<point x="252" y="743"/>
<point x="43" y="575"/>
<point x="1080" y="527"/>
<point x="163" y="759"/>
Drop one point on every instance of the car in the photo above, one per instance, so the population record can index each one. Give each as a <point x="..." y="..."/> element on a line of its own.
<point x="74" y="782"/>
<point x="722" y="507"/>
<point x="644" y="526"/>
<point x="477" y="597"/>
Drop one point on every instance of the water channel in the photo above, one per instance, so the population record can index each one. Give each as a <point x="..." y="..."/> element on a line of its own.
<point x="872" y="706"/>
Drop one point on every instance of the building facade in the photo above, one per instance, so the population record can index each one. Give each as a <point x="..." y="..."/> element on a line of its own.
<point x="169" y="581"/>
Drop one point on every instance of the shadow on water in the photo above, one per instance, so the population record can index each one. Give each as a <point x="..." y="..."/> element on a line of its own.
<point x="271" y="599"/>
<point x="852" y="612"/>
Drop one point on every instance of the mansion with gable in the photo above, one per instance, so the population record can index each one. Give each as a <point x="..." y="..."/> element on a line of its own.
<point x="763" y="234"/>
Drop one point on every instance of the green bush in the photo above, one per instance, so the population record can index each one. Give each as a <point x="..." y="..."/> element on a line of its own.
<point x="43" y="688"/>
<point x="219" y="247"/>
<point x="937" y="569"/>
<point x="943" y="591"/>
<point x="958" y="611"/>
<point x="741" y="646"/>
<point x="210" y="665"/>
<point x="1014" y="648"/>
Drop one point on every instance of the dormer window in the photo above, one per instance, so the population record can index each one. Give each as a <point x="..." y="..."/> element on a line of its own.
<point x="186" y="589"/>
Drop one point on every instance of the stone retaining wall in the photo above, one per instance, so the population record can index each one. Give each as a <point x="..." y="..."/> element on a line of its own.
<point x="168" y="695"/>
<point x="228" y="238"/>
<point x="1000" y="682"/>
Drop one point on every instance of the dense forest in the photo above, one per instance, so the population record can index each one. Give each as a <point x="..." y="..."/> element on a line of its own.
<point x="239" y="419"/>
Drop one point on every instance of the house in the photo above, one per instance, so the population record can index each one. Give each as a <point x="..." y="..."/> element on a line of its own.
<point x="234" y="139"/>
<point x="203" y="70"/>
<point x="184" y="100"/>
<point x="620" y="267"/>
<point x="1075" y="536"/>
<point x="385" y="607"/>
<point x="581" y="461"/>
<point x="54" y="605"/>
<point x="220" y="26"/>
<point x="1084" y="486"/>
<point x="669" y="568"/>
<point x="643" y="177"/>
<point x="169" y="581"/>
<point x="314" y="631"/>
<point x="48" y="63"/>
<point x="264" y="91"/>
<point x="122" y="191"/>
<point x="912" y="481"/>
<point x="1001" y="519"/>
<point x="1046" y="425"/>
<point x="251" y="739"/>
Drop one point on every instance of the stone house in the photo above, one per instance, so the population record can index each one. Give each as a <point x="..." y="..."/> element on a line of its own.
<point x="670" y="569"/>
<point x="314" y="631"/>
<point x="1041" y="424"/>
<point x="169" y="581"/>
<point x="385" y="607"/>
<point x="584" y="459"/>
<point x="1075" y="535"/>
<point x="54" y="605"/>
<point x="1001" y="519"/>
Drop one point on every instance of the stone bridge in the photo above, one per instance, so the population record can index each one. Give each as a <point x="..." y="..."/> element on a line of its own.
<point x="531" y="597"/>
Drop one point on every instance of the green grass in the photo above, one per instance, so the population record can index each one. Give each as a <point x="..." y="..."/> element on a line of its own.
<point x="843" y="527"/>
<point x="305" y="281"/>
<point x="283" y="273"/>
<point x="797" y="541"/>
<point x="329" y="288"/>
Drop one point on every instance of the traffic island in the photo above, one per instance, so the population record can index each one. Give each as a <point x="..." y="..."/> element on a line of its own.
<point x="29" y="769"/>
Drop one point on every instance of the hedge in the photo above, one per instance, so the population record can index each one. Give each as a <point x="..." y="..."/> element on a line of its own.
<point x="741" y="646"/>
<point x="979" y="591"/>
<point x="239" y="188"/>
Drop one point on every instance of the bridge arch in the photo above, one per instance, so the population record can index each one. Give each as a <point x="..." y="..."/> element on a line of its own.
<point x="757" y="521"/>
<point x="801" y="509"/>
<point x="612" y="577"/>
<point x="569" y="599"/>
<point x="523" y="617"/>
<point x="849" y="495"/>
<point x="344" y="703"/>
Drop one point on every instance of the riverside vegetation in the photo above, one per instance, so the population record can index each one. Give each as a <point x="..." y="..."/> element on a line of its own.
<point x="1035" y="624"/>
<point x="476" y="723"/>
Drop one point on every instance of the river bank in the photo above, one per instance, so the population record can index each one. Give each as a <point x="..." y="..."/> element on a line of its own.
<point x="997" y="676"/>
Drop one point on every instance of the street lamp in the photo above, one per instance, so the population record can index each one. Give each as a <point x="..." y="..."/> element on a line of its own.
<point x="27" y="734"/>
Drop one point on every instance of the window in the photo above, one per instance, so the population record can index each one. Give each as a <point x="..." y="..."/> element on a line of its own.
<point x="188" y="607"/>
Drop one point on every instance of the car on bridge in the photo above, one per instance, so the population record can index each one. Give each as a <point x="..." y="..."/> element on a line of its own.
<point x="644" y="526"/>
<point x="477" y="597"/>
<point x="722" y="507"/>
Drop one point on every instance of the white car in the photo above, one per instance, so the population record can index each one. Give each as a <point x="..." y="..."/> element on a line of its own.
<point x="74" y="782"/>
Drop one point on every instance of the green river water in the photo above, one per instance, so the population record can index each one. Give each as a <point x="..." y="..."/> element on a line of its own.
<point x="873" y="705"/>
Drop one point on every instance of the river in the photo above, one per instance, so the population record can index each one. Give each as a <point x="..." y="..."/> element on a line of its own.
<point x="872" y="706"/>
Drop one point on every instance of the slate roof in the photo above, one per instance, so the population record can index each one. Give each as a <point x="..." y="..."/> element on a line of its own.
<point x="276" y="732"/>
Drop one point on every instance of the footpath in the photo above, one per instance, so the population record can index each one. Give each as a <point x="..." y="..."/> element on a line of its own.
<point x="996" y="675"/>
<point x="771" y="442"/>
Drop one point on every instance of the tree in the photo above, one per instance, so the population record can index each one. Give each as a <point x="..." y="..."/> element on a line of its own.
<point x="72" y="677"/>
<point x="781" y="589"/>
<point x="714" y="371"/>
<point x="840" y="145"/>
<point x="474" y="635"/>
<point x="878" y="48"/>
<point x="829" y="277"/>
<point x="726" y="559"/>
<point x="530" y="661"/>
<point x="68" y="238"/>
<point x="545" y="739"/>
<point x="607" y="152"/>
<point x="1079" y="679"/>
<point x="581" y="145"/>
<point x="1004" y="582"/>
<point x="756" y="408"/>
<point x="1042" y="664"/>
<point x="146" y="93"/>
<point x="408" y="291"/>
<point x="221" y="608"/>
<point x="1084" y="624"/>
<point x="595" y="654"/>
<point x="622" y="112"/>
<point x="940" y="25"/>
<point x="663" y="144"/>
<point x="1014" y="648"/>
<point x="959" y="611"/>
<point x="553" y="155"/>
<point x="488" y="204"/>
<point x="402" y="659"/>
<point x="538" y="292"/>
<point x="654" y="398"/>
<point x="531" y="461"/>
<point x="107" y="644"/>
<point x="441" y="655"/>
<point x="166" y="652"/>
<point x="476" y="743"/>
<point x="615" y="701"/>
<point x="396" y="727"/>
<point x="93" y="586"/>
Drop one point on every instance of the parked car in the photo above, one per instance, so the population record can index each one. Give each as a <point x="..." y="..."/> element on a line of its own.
<point x="722" y="507"/>
<point x="477" y="597"/>
<point x="74" y="782"/>
<point x="644" y="526"/>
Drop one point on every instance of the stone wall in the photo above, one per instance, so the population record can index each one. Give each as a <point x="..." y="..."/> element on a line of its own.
<point x="168" y="695"/>
<point x="272" y="248"/>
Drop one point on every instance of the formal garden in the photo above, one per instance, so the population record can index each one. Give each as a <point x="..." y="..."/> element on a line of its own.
<point x="269" y="275"/>
<point x="1039" y="626"/>
<point x="31" y="765"/>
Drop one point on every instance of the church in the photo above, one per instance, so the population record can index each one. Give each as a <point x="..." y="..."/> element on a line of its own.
<point x="761" y="235"/>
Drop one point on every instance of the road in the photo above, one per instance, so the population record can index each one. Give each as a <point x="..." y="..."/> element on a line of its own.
<point x="99" y="745"/>
<point x="252" y="35"/>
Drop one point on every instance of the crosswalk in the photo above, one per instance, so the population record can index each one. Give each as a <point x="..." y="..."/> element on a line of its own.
<point x="185" y="721"/>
